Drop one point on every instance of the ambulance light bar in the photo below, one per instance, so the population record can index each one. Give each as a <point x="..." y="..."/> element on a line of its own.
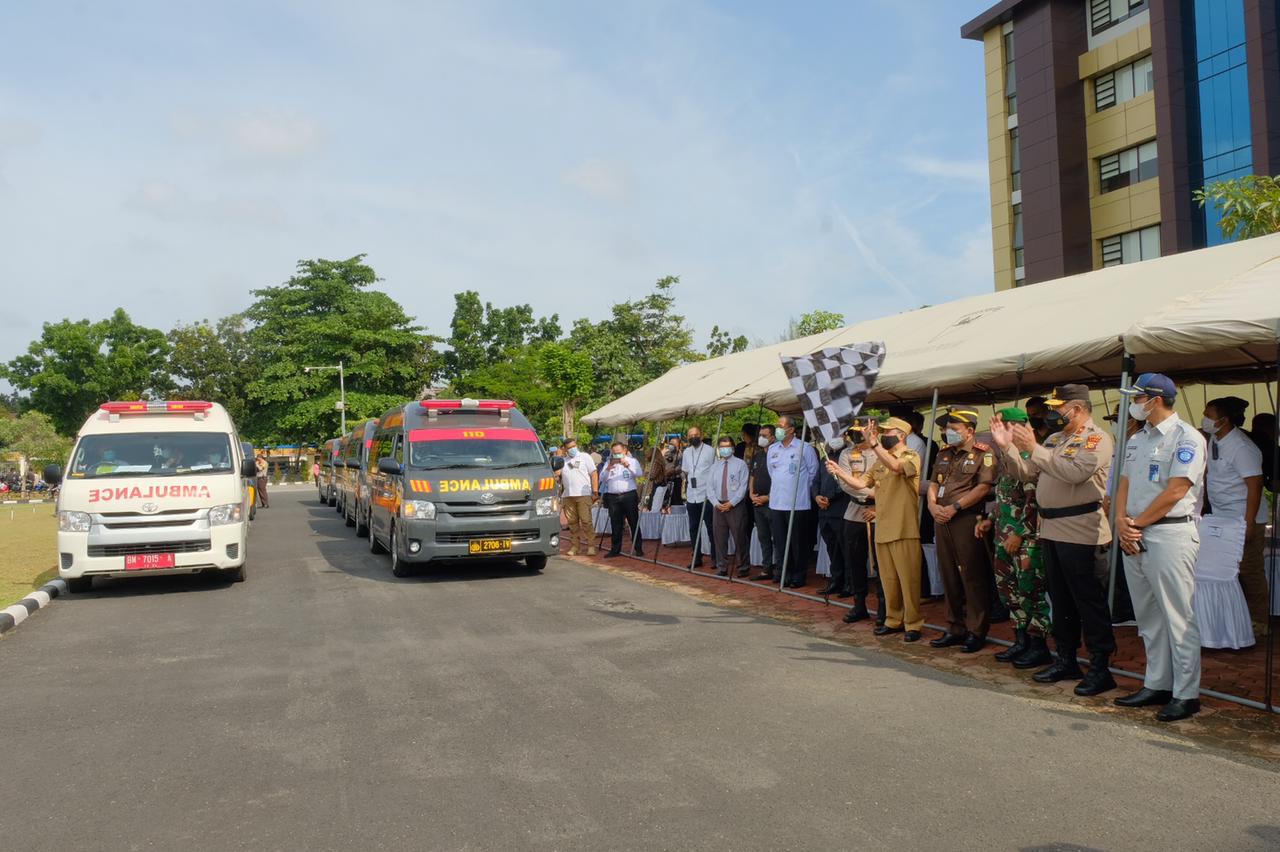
<point x="484" y="404"/>
<point x="198" y="408"/>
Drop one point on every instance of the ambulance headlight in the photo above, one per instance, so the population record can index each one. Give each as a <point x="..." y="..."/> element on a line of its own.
<point x="73" y="522"/>
<point x="419" y="510"/>
<point x="229" y="513"/>
<point x="547" y="506"/>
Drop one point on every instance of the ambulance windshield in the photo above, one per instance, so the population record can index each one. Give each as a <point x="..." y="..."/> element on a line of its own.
<point x="438" y="449"/>
<point x="158" y="454"/>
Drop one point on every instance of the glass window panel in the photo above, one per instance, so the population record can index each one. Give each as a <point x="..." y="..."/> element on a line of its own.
<point x="1143" y="77"/>
<point x="1149" y="239"/>
<point x="1129" y="160"/>
<point x="1222" y="114"/>
<point x="1239" y="87"/>
<point x="1124" y="83"/>
<point x="1130" y="247"/>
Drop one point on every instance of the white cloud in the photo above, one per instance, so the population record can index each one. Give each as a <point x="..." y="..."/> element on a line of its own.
<point x="274" y="136"/>
<point x="168" y="202"/>
<point x="600" y="179"/>
<point x="969" y="171"/>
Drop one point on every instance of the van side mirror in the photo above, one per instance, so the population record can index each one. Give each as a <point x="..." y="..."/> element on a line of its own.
<point x="248" y="469"/>
<point x="52" y="474"/>
<point x="557" y="462"/>
<point x="389" y="466"/>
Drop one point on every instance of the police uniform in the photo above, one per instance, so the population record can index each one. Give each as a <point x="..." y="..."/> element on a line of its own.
<point x="858" y="543"/>
<point x="1070" y="471"/>
<point x="1162" y="577"/>
<point x="963" y="559"/>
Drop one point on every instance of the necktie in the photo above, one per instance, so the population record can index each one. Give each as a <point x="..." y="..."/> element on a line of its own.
<point x="724" y="484"/>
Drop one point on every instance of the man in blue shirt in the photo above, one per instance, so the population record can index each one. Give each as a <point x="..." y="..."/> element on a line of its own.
<point x="793" y="469"/>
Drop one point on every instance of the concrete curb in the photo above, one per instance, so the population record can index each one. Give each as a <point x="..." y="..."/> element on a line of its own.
<point x="11" y="617"/>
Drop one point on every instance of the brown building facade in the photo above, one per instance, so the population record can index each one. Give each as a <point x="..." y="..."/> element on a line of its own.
<point x="1104" y="116"/>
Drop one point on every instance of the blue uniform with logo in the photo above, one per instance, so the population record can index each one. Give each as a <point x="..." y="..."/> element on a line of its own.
<point x="1162" y="578"/>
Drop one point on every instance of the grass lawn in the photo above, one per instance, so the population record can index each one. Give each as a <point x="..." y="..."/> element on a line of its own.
<point x="28" y="550"/>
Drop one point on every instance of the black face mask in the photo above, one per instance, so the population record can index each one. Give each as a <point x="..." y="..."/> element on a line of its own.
<point x="695" y="442"/>
<point x="1037" y="423"/>
<point x="856" y="436"/>
<point x="889" y="441"/>
<point x="1055" y="421"/>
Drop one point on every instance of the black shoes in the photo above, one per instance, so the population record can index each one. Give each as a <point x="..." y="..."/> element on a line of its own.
<point x="795" y="584"/>
<point x="612" y="555"/>
<point x="1064" y="668"/>
<point x="723" y="573"/>
<point x="856" y="614"/>
<point x="1015" y="650"/>
<point x="743" y="572"/>
<point x="885" y="630"/>
<point x="911" y="636"/>
<point x="1099" y="678"/>
<point x="843" y="595"/>
<point x="973" y="643"/>
<point x="1179" y="708"/>
<point x="1145" y="698"/>
<point x="946" y="640"/>
<point x="1036" y="655"/>
<point x="831" y="589"/>
<point x="766" y="577"/>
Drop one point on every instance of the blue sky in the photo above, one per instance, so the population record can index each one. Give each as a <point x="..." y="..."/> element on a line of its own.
<point x="779" y="157"/>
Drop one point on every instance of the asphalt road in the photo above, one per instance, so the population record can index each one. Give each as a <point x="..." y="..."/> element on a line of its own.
<point x="323" y="704"/>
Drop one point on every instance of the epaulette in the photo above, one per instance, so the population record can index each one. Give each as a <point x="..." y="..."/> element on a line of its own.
<point x="980" y="447"/>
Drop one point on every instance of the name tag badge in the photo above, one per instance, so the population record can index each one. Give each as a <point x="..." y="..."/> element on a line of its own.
<point x="1216" y="532"/>
<point x="942" y="489"/>
<point x="1153" y="472"/>
<point x="792" y="467"/>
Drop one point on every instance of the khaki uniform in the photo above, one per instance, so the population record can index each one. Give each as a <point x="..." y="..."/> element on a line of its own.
<point x="858" y="541"/>
<point x="898" y="538"/>
<point x="1070" y="472"/>
<point x="963" y="559"/>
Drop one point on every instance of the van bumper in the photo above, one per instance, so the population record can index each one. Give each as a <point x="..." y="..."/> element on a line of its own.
<point x="224" y="549"/>
<point x="427" y="541"/>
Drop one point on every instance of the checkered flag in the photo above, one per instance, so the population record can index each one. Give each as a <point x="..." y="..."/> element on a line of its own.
<point x="833" y="384"/>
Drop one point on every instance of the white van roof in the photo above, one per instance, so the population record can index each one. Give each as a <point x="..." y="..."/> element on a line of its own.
<point x="158" y="416"/>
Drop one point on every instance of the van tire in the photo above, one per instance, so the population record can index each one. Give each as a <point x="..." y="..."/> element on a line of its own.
<point x="536" y="562"/>
<point x="236" y="575"/>
<point x="398" y="567"/>
<point x="375" y="547"/>
<point x="346" y="515"/>
<point x="79" y="585"/>
<point x="362" y="524"/>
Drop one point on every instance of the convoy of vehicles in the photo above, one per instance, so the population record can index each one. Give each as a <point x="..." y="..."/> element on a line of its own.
<point x="355" y="482"/>
<point x="153" y="488"/>
<point x="326" y="484"/>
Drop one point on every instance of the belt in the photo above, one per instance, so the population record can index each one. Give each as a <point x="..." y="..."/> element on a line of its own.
<point x="1069" y="511"/>
<point x="1178" y="519"/>
<point x="871" y="502"/>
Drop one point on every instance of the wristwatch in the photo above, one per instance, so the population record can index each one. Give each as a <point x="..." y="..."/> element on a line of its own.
<point x="956" y="506"/>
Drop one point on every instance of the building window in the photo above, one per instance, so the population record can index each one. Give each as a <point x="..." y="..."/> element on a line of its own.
<point x="1131" y="247"/>
<point x="1123" y="84"/>
<point x="1222" y="79"/>
<point x="1019" y="258"/>
<point x="1015" y="162"/>
<point x="1010" y="77"/>
<point x="1104" y="14"/>
<point x="1130" y="166"/>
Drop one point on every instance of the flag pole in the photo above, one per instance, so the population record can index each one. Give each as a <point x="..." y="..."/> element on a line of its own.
<point x="791" y="516"/>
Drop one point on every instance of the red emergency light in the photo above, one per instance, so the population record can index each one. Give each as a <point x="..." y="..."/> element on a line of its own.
<point x="155" y="407"/>
<point x="487" y="404"/>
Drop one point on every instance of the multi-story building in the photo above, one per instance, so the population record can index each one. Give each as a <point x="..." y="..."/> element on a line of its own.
<point x="1104" y="116"/>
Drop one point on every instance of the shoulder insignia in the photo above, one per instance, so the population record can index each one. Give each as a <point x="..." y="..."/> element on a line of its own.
<point x="1186" y="452"/>
<point x="982" y="448"/>
<point x="1053" y="440"/>
<point x="1093" y="441"/>
<point x="987" y="461"/>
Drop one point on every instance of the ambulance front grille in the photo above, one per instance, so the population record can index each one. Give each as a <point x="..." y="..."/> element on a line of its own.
<point x="465" y="537"/>
<point x="148" y="547"/>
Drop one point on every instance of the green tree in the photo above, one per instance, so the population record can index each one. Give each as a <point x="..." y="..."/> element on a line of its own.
<point x="722" y="344"/>
<point x="568" y="374"/>
<point x="814" y="322"/>
<point x="519" y="378"/>
<point x="481" y="335"/>
<point x="212" y="361"/>
<point x="76" y="366"/>
<point x="324" y="314"/>
<point x="1250" y="205"/>
<point x="34" y="438"/>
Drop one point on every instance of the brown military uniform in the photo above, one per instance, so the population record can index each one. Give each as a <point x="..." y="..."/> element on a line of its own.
<point x="963" y="559"/>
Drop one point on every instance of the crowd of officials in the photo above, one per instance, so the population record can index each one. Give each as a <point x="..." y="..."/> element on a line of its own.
<point x="1020" y="519"/>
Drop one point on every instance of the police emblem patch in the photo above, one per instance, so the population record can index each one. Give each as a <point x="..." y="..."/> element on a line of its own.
<point x="1186" y="454"/>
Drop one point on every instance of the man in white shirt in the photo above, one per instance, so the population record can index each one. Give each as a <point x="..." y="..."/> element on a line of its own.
<point x="696" y="469"/>
<point x="620" y="486"/>
<point x="1155" y="505"/>
<point x="728" y="484"/>
<point x="793" y="469"/>
<point x="1233" y="488"/>
<point x="579" y="485"/>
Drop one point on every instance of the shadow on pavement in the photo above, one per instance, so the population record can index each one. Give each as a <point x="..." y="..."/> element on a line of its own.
<point x="166" y="584"/>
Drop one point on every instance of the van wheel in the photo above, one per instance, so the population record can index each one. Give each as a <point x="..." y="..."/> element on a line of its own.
<point x="338" y="504"/>
<point x="346" y="516"/>
<point x="374" y="546"/>
<point x="323" y="499"/>
<point x="398" y="568"/>
<point x="236" y="575"/>
<point x="536" y="562"/>
<point x="362" y="524"/>
<point x="79" y="585"/>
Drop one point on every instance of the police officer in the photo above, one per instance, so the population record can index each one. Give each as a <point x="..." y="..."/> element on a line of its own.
<point x="1019" y="564"/>
<point x="1159" y="490"/>
<point x="1070" y="470"/>
<point x="858" y="457"/>
<point x="793" y="468"/>
<point x="962" y="481"/>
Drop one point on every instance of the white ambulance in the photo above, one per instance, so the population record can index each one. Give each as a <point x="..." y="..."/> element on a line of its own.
<point x="153" y="488"/>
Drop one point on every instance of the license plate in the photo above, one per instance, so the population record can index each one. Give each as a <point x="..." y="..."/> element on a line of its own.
<point x="478" y="546"/>
<point x="148" y="561"/>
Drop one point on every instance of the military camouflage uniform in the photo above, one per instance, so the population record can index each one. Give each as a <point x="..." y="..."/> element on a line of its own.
<point x="1020" y="577"/>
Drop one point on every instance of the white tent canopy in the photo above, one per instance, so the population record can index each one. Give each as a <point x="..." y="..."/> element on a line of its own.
<point x="1075" y="329"/>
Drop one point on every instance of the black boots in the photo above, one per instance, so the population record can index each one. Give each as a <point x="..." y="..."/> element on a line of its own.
<point x="1064" y="667"/>
<point x="1099" y="678"/>
<point x="1037" y="654"/>
<point x="1019" y="645"/>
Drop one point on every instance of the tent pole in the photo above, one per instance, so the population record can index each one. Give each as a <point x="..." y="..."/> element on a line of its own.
<point x="644" y="495"/>
<point x="928" y="453"/>
<point x="1022" y="366"/>
<point x="1271" y="571"/>
<point x="791" y="515"/>
<point x="1122" y="429"/>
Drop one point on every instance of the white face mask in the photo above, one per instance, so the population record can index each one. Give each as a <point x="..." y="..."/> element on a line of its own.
<point x="763" y="441"/>
<point x="953" y="438"/>
<point x="1208" y="424"/>
<point x="1138" y="411"/>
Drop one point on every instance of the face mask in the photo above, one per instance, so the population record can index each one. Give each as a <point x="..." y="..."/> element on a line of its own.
<point x="724" y="452"/>
<point x="1208" y="424"/>
<point x="781" y="436"/>
<point x="1055" y="420"/>
<point x="857" y="436"/>
<point x="763" y="441"/>
<point x="1138" y="411"/>
<point x="889" y="441"/>
<point x="617" y="456"/>
<point x="1038" y="423"/>
<point x="695" y="441"/>
<point x="836" y="444"/>
<point x="109" y="455"/>
<point x="952" y="437"/>
<point x="573" y="452"/>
